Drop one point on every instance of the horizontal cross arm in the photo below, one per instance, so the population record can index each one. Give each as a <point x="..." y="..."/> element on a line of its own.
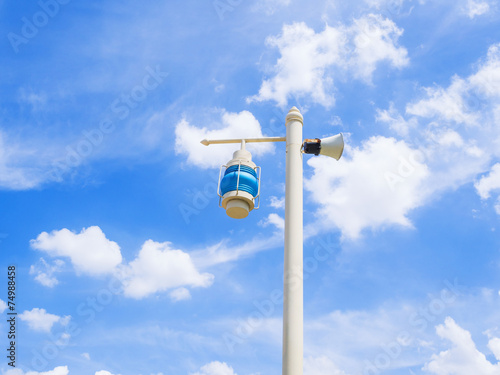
<point x="207" y="142"/>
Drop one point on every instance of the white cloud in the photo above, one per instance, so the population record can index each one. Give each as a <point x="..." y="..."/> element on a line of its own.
<point x="486" y="81"/>
<point x="321" y="366"/>
<point x="3" y="306"/>
<point x="448" y="104"/>
<point x="60" y="370"/>
<point x="21" y="167"/>
<point x="273" y="219"/>
<point x="494" y="346"/>
<point x="476" y="8"/>
<point x="310" y="62"/>
<point x="180" y="294"/>
<point x="455" y="128"/>
<point x="463" y="358"/>
<point x="387" y="339"/>
<point x="397" y="336"/>
<point x="395" y="121"/>
<point x="338" y="340"/>
<point x="103" y="372"/>
<point x="215" y="368"/>
<point x="466" y="101"/>
<point x="489" y="183"/>
<point x="277" y="202"/>
<point x="36" y="100"/>
<point x="376" y="40"/>
<point x="158" y="268"/>
<point x="301" y="69"/>
<point x="90" y="251"/>
<point x="224" y="252"/>
<point x="44" y="272"/>
<point x="40" y="320"/>
<point x="372" y="186"/>
<point x="234" y="125"/>
<point x="46" y="280"/>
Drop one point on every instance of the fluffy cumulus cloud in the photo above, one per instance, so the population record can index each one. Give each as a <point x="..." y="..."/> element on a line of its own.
<point x="310" y="62"/>
<point x="215" y="368"/>
<point x="373" y="186"/>
<point x="302" y="67"/>
<point x="463" y="358"/>
<point x="158" y="268"/>
<point x="40" y="320"/>
<point x="375" y="39"/>
<point x="474" y="8"/>
<point x="90" y="251"/>
<point x="60" y="370"/>
<point x="232" y="125"/>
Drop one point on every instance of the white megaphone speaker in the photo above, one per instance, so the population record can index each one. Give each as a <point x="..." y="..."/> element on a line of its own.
<point x="332" y="146"/>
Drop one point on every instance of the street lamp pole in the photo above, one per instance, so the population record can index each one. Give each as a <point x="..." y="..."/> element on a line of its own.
<point x="242" y="186"/>
<point x="293" y="301"/>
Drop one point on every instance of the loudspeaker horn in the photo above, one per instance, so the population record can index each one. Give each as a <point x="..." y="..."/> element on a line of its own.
<point x="331" y="146"/>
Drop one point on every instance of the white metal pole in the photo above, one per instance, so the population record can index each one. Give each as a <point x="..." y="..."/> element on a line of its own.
<point x="293" y="302"/>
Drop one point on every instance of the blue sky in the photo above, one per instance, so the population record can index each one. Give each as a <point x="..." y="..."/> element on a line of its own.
<point x="126" y="264"/>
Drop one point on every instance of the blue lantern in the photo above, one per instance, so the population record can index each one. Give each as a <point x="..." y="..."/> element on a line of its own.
<point x="239" y="187"/>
